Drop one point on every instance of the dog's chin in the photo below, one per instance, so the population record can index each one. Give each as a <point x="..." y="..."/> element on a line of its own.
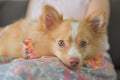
<point x="71" y="67"/>
<point x="74" y="68"/>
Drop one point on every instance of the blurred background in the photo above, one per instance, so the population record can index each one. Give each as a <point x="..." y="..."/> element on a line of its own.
<point x="114" y="34"/>
<point x="12" y="10"/>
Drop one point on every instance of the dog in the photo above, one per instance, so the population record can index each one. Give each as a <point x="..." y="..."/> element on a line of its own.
<point x="70" y="40"/>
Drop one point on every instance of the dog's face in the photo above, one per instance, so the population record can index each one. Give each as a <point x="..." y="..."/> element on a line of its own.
<point x="74" y="41"/>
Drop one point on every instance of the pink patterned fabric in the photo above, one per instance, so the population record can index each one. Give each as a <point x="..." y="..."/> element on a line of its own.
<point x="50" y="68"/>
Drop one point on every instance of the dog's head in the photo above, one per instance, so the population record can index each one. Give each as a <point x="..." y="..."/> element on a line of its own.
<point x="73" y="41"/>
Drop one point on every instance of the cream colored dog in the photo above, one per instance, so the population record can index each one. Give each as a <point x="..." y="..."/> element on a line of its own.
<point x="71" y="41"/>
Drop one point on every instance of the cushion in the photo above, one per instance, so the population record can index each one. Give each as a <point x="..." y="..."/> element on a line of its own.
<point x="50" y="68"/>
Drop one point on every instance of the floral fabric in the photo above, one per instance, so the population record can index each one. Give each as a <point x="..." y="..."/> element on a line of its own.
<point x="50" y="68"/>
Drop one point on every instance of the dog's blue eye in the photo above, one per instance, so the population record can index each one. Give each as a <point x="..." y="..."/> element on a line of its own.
<point x="83" y="44"/>
<point x="61" y="43"/>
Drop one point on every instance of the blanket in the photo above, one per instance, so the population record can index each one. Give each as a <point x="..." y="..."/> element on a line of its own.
<point x="50" y="68"/>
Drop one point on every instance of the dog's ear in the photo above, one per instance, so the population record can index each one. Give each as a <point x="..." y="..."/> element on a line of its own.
<point x="96" y="20"/>
<point x="50" y="17"/>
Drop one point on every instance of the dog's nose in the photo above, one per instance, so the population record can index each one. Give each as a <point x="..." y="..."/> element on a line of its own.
<point x="74" y="61"/>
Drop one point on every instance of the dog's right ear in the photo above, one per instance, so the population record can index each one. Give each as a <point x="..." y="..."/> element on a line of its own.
<point x="50" y="17"/>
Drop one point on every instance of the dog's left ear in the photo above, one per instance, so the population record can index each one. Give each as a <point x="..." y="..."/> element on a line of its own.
<point x="96" y="20"/>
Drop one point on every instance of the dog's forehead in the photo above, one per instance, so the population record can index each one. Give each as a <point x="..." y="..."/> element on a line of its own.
<point x="74" y="28"/>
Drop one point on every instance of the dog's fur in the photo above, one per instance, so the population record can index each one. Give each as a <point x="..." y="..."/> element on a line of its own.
<point x="49" y="30"/>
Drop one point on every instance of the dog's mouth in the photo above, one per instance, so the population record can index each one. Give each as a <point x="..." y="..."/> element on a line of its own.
<point x="74" y="67"/>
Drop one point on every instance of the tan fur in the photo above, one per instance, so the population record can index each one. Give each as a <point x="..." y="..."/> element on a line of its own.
<point x="46" y="36"/>
<point x="94" y="39"/>
<point x="12" y="35"/>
